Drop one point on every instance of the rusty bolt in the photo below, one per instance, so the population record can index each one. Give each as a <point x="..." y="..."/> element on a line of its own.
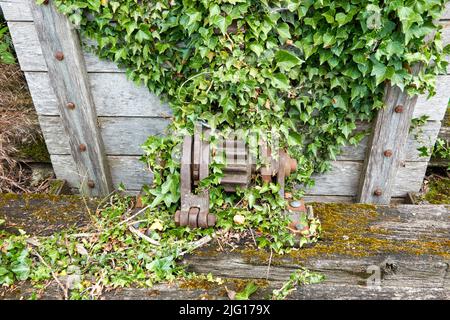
<point x="45" y="2"/>
<point x="59" y="55"/>
<point x="398" y="109"/>
<point x="91" y="184"/>
<point x="82" y="147"/>
<point x="378" y="192"/>
<point x="387" y="153"/>
<point x="70" y="105"/>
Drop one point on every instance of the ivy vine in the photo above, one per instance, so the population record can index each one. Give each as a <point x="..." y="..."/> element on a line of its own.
<point x="309" y="69"/>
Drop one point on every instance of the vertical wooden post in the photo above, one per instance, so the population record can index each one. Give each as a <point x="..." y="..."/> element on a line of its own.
<point x="385" y="147"/>
<point x="68" y="76"/>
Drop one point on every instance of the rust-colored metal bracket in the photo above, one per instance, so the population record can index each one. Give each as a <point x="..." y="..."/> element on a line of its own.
<point x="238" y="171"/>
<point x="194" y="210"/>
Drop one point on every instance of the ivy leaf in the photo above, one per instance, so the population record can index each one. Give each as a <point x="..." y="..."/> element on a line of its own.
<point x="141" y="36"/>
<point x="379" y="71"/>
<point x="280" y="81"/>
<point x="283" y="31"/>
<point x="245" y="294"/>
<point x="341" y="18"/>
<point x="294" y="139"/>
<point x="221" y="23"/>
<point x="286" y="60"/>
<point x="257" y="48"/>
<point x="338" y="102"/>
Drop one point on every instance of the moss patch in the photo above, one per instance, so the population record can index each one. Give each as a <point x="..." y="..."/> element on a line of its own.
<point x="439" y="191"/>
<point x="350" y="230"/>
<point x="43" y="214"/>
<point x="34" y="150"/>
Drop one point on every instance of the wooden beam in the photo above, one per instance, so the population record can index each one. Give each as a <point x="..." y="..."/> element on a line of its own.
<point x="385" y="149"/>
<point x="68" y="77"/>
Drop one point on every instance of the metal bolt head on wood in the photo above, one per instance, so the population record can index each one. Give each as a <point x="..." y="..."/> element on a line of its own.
<point x="387" y="153"/>
<point x="82" y="147"/>
<point x="46" y="2"/>
<point x="70" y="105"/>
<point x="91" y="184"/>
<point x="59" y="55"/>
<point x="378" y="192"/>
<point x="398" y="109"/>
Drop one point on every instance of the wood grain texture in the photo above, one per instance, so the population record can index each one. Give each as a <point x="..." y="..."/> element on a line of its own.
<point x="68" y="78"/>
<point x="16" y="10"/>
<point x="423" y="136"/>
<point x="389" y="132"/>
<point x="124" y="169"/>
<point x="31" y="59"/>
<point x="30" y="56"/>
<point x="121" y="136"/>
<point x="343" y="179"/>
<point x="341" y="182"/>
<point x="114" y="95"/>
<point x="404" y="274"/>
<point x="434" y="108"/>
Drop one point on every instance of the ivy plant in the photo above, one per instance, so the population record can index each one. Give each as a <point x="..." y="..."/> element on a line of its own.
<point x="309" y="70"/>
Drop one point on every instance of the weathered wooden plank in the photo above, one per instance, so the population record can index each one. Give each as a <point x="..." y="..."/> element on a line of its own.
<point x="409" y="253"/>
<point x="68" y="77"/>
<point x="113" y="93"/>
<point x="446" y="13"/>
<point x="121" y="136"/>
<point x="343" y="179"/>
<point x="434" y="108"/>
<point x="124" y="169"/>
<point x="30" y="56"/>
<point x="340" y="182"/>
<point x="116" y="96"/>
<point x="389" y="135"/>
<point x="16" y="10"/>
<point x="426" y="136"/>
<point x="342" y="199"/>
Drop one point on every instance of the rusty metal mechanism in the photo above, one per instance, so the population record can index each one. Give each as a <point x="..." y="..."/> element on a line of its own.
<point x="239" y="168"/>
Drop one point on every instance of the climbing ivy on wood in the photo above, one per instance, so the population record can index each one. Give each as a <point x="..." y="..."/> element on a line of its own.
<point x="309" y="69"/>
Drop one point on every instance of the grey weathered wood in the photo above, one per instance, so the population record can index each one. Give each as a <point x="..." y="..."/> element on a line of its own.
<point x="121" y="135"/>
<point x="16" y="10"/>
<point x="404" y="274"/>
<point x="114" y="96"/>
<point x="69" y="81"/>
<point x="343" y="179"/>
<point x="389" y="132"/>
<point x="128" y="170"/>
<point x="435" y="107"/>
<point x="30" y="56"/>
<point x="340" y="182"/>
<point x="426" y="136"/>
<point x="31" y="59"/>
<point x="342" y="199"/>
<point x="110" y="88"/>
